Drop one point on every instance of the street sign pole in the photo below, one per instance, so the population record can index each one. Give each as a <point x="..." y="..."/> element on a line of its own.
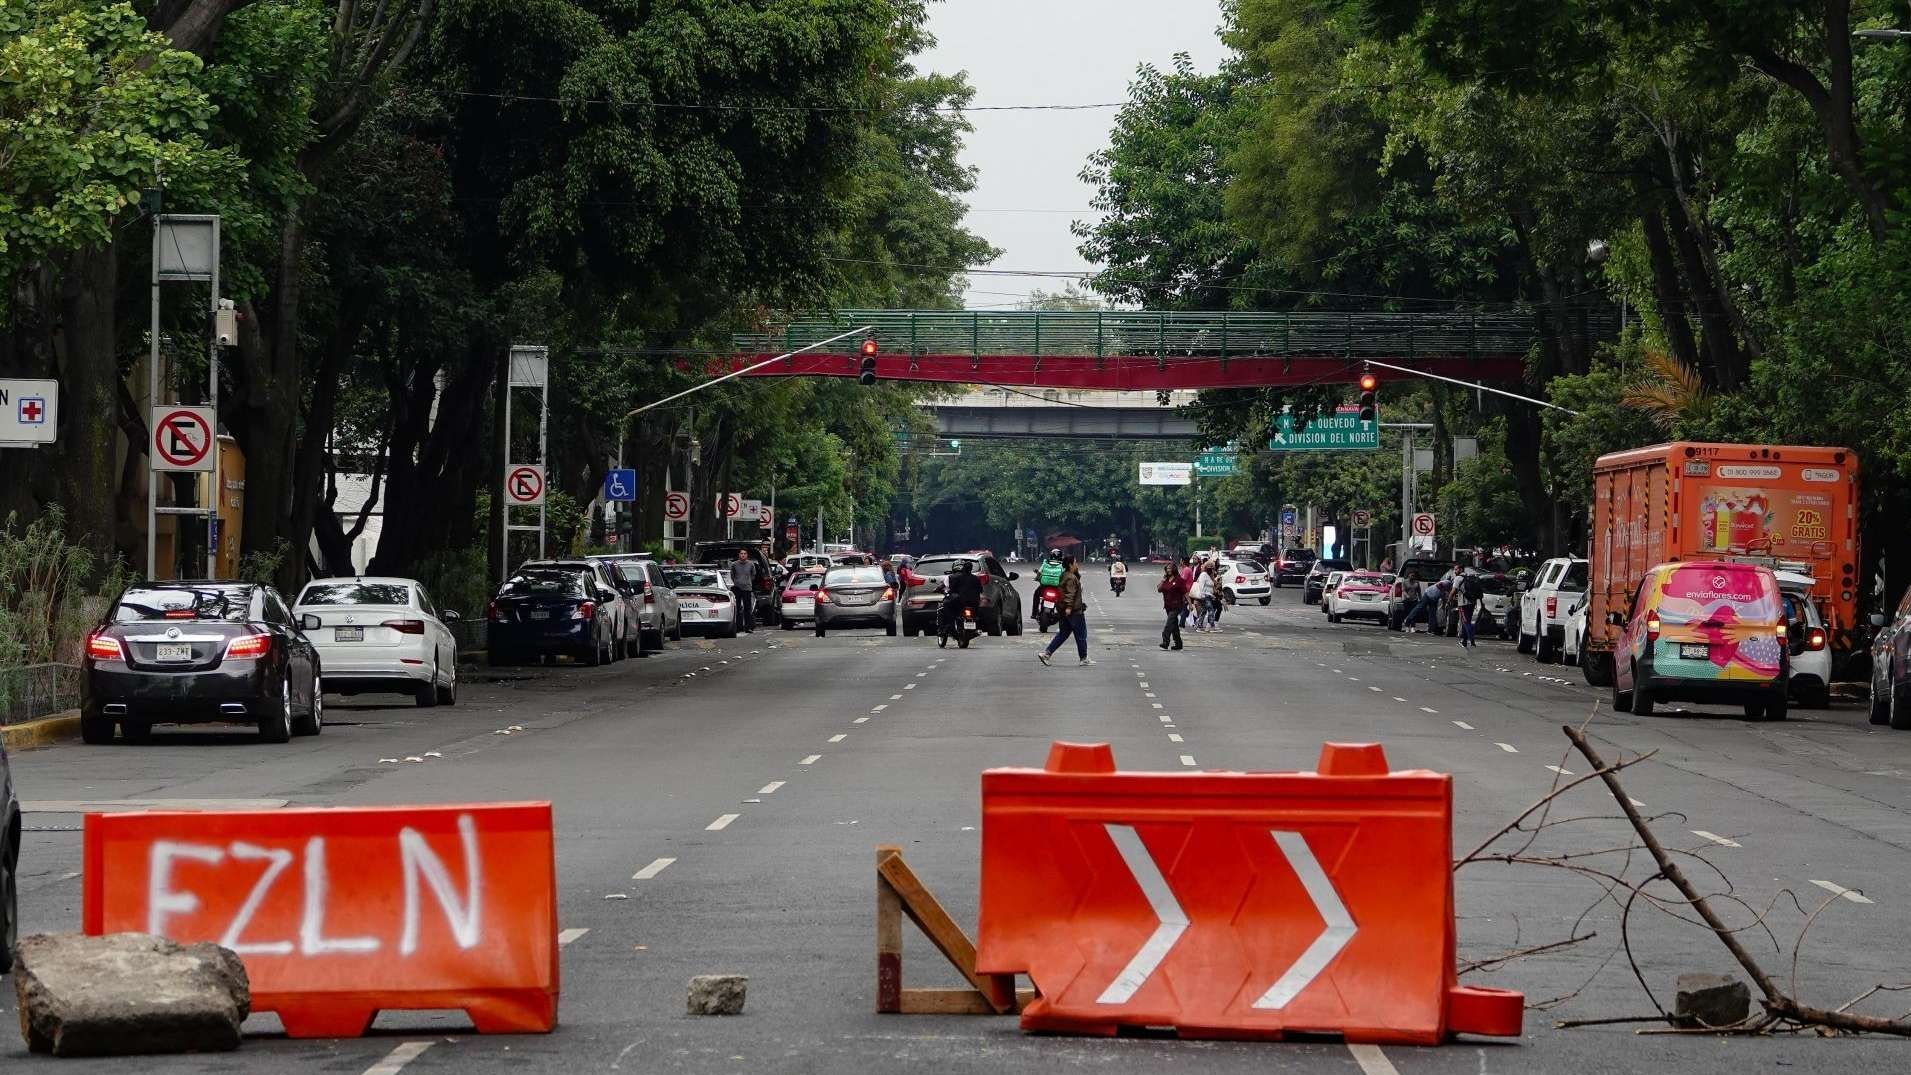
<point x="528" y="366"/>
<point x="185" y="249"/>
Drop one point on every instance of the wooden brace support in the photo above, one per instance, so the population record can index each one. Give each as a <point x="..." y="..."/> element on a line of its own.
<point x="899" y="892"/>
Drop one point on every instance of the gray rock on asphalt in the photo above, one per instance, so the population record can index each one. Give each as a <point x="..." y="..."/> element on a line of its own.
<point x="1713" y="1000"/>
<point x="718" y="994"/>
<point x="127" y="994"/>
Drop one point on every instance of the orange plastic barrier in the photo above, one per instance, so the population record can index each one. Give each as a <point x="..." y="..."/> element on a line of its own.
<point x="339" y="913"/>
<point x="1229" y="905"/>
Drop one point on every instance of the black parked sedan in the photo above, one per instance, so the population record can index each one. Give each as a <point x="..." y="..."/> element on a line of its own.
<point x="194" y="652"/>
<point x="550" y="612"/>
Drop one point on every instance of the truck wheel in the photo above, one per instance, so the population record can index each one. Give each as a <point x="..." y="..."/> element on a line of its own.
<point x="1596" y="669"/>
<point x="1546" y="654"/>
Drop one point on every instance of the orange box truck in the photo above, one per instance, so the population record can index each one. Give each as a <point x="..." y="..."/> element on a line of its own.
<point x="1688" y="501"/>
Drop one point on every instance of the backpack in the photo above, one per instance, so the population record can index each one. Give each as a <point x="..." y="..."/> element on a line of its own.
<point x="1050" y="573"/>
<point x="1471" y="589"/>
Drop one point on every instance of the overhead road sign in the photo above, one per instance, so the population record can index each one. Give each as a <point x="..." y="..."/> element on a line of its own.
<point x="620" y="485"/>
<point x="1341" y="431"/>
<point x="182" y="439"/>
<point x="29" y="412"/>
<point x="1229" y="905"/>
<point x="1216" y="463"/>
<point x="1167" y="473"/>
<point x="339" y="913"/>
<point x="524" y="484"/>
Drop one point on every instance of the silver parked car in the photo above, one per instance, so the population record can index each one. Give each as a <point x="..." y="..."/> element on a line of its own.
<point x="651" y="600"/>
<point x="855" y="597"/>
<point x="704" y="601"/>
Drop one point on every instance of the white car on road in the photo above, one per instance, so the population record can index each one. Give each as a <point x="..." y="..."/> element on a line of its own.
<point x="1810" y="643"/>
<point x="704" y="600"/>
<point x="380" y="636"/>
<point x="1357" y="595"/>
<point x="1543" y="607"/>
<point x="1245" y="580"/>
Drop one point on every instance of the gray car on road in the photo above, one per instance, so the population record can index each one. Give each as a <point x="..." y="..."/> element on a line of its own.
<point x="855" y="597"/>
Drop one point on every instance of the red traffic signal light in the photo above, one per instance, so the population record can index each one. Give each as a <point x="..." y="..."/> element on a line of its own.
<point x="1369" y="403"/>
<point x="1368" y="382"/>
<point x="866" y="376"/>
<point x="869" y="345"/>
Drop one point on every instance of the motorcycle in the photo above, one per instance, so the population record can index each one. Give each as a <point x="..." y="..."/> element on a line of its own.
<point x="963" y="628"/>
<point x="1048" y="607"/>
<point x="1118" y="583"/>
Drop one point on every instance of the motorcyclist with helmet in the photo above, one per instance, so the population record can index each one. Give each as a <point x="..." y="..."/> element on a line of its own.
<point x="961" y="591"/>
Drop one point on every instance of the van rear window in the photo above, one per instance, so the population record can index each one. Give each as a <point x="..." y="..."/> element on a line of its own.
<point x="1706" y="589"/>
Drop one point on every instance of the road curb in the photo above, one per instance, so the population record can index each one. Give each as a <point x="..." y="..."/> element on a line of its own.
<point x="38" y="733"/>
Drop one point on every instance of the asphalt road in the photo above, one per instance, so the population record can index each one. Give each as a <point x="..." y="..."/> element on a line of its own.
<point x="824" y="748"/>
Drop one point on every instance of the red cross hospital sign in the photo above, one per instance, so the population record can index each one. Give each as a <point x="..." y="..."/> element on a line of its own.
<point x="29" y="412"/>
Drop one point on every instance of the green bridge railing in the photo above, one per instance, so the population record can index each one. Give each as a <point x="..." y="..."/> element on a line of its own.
<point x="1113" y="333"/>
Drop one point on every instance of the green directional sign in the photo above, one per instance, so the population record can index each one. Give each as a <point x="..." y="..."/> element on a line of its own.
<point x="1215" y="463"/>
<point x="1339" y="432"/>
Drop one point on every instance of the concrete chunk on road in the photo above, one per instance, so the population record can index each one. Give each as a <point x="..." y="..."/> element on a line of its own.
<point x="718" y="994"/>
<point x="1711" y="1000"/>
<point x="127" y="994"/>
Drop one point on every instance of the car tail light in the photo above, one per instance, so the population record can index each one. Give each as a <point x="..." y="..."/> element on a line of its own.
<point x="1652" y="628"/>
<point x="650" y="596"/>
<point x="101" y="648"/>
<point x="1779" y="630"/>
<point x="405" y="627"/>
<point x="1816" y="639"/>
<point x="719" y="599"/>
<point x="1552" y="608"/>
<point x="1400" y="589"/>
<point x="491" y="611"/>
<point x="248" y="647"/>
<point x="822" y="596"/>
<point x="1238" y="578"/>
<point x="179" y="614"/>
<point x="889" y="593"/>
<point x="586" y="610"/>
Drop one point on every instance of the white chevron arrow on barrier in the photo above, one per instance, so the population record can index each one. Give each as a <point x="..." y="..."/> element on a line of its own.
<point x="1171" y="921"/>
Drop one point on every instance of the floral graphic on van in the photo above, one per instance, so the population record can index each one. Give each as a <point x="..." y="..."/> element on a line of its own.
<point x="1733" y="609"/>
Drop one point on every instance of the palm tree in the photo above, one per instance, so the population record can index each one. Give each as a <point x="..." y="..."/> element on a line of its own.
<point x="1668" y="390"/>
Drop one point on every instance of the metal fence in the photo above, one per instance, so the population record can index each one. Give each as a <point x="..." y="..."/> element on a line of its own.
<point x="470" y="634"/>
<point x="31" y="691"/>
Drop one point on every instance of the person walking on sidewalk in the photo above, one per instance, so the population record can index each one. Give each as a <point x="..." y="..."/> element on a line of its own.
<point x="1074" y="619"/>
<point x="743" y="585"/>
<point x="1174" y="601"/>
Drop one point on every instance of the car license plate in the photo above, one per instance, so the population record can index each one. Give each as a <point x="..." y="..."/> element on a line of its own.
<point x="348" y="634"/>
<point x="173" y="651"/>
<point x="689" y="602"/>
<point x="540" y="614"/>
<point x="1695" y="650"/>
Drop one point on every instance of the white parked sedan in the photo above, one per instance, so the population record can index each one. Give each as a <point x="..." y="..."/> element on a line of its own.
<point x="704" y="600"/>
<point x="1358" y="595"/>
<point x="380" y="636"/>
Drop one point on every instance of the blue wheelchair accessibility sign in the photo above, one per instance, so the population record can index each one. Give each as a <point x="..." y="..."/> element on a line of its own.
<point x="620" y="485"/>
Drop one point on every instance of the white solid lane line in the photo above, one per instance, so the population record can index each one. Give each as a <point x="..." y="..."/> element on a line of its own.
<point x="656" y="867"/>
<point x="1372" y="1061"/>
<point x="770" y="788"/>
<point x="1463" y="725"/>
<point x="1187" y="760"/>
<point x="838" y="737"/>
<point x="396" y="1060"/>
<point x="569" y="935"/>
<point x="721" y="823"/>
<point x="1715" y="838"/>
<point x="811" y="760"/>
<point x="1508" y="747"/>
<point x="1840" y="890"/>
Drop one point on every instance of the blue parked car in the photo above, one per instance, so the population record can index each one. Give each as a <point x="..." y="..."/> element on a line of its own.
<point x="549" y="612"/>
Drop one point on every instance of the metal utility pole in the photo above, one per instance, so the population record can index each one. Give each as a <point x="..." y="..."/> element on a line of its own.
<point x="185" y="249"/>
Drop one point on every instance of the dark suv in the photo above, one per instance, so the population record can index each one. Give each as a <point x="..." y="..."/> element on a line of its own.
<point x="1314" y="579"/>
<point x="723" y="552"/>
<point x="1292" y="565"/>
<point x="1001" y="608"/>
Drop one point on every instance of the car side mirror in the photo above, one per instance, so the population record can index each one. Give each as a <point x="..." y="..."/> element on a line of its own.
<point x="1013" y="575"/>
<point x="1877" y="619"/>
<point x="450" y="615"/>
<point x="1616" y="619"/>
<point x="309" y="622"/>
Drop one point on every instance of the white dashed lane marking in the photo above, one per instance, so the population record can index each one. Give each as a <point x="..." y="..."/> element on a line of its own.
<point x="909" y="686"/>
<point x="656" y="867"/>
<point x="1508" y="747"/>
<point x="1372" y="1061"/>
<point x="860" y="720"/>
<point x="396" y="1060"/>
<point x="811" y="760"/>
<point x="838" y="737"/>
<point x="1463" y="725"/>
<point x="1174" y="737"/>
<point x="770" y="788"/>
<point x="1715" y="838"/>
<point x="880" y="708"/>
<point x="721" y="823"/>
<point x="567" y="936"/>
<point x="1399" y="699"/>
<point x="895" y="697"/>
<point x="1425" y="709"/>
<point x="1840" y="890"/>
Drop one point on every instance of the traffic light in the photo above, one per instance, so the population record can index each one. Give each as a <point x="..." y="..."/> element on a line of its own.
<point x="868" y="375"/>
<point x="1369" y="406"/>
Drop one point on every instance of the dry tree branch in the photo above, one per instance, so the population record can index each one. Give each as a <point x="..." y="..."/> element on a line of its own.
<point x="1519" y="953"/>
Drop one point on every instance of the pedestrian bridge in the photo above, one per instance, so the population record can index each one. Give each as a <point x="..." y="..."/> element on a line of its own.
<point x="1138" y="350"/>
<point x="982" y="413"/>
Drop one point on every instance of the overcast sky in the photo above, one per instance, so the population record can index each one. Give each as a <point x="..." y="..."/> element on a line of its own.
<point x="1050" y="52"/>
